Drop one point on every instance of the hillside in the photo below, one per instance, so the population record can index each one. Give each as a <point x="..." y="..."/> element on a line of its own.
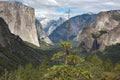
<point x="13" y="51"/>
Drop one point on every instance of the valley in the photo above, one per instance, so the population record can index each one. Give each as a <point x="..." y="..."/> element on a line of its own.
<point x="37" y="48"/>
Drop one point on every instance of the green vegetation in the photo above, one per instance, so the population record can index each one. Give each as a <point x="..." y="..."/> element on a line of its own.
<point x="99" y="33"/>
<point x="116" y="17"/>
<point x="113" y="53"/>
<point x="67" y="68"/>
<point x="63" y="66"/>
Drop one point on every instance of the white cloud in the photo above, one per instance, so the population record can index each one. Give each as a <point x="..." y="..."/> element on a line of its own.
<point x="48" y="8"/>
<point x="110" y="3"/>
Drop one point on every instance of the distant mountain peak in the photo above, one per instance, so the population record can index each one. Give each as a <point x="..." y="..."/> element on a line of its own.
<point x="50" y="25"/>
<point x="90" y="13"/>
<point x="77" y="23"/>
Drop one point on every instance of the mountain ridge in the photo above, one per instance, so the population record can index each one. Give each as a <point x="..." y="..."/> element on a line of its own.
<point x="77" y="23"/>
<point x="50" y="25"/>
<point x="13" y="50"/>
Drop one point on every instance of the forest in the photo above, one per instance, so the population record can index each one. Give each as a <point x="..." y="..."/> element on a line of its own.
<point x="68" y="64"/>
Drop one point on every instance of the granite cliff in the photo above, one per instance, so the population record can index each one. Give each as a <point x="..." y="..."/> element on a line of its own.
<point x="42" y="37"/>
<point x="108" y="21"/>
<point x="20" y="19"/>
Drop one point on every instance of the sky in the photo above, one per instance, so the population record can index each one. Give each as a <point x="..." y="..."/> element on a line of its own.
<point x="59" y="8"/>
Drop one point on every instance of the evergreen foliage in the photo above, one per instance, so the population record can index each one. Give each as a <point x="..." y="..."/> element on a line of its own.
<point x="95" y="66"/>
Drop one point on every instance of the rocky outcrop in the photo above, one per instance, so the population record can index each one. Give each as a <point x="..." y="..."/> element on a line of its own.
<point x="109" y="21"/>
<point x="13" y="51"/>
<point x="76" y="24"/>
<point x="55" y="25"/>
<point x="110" y="38"/>
<point x="46" y="23"/>
<point x="21" y="20"/>
<point x="49" y="25"/>
<point x="42" y="37"/>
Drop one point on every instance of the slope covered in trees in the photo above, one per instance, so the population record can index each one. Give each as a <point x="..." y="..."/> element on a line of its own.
<point x="92" y="66"/>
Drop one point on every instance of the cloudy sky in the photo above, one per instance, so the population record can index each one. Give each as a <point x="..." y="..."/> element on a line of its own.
<point x="57" y="8"/>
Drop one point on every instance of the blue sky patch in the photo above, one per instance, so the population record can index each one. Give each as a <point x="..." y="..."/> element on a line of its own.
<point x="63" y="10"/>
<point x="20" y="0"/>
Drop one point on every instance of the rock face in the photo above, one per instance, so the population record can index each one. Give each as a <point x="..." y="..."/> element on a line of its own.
<point x="55" y="25"/>
<point x="111" y="38"/>
<point x="76" y="23"/>
<point x="13" y="50"/>
<point x="109" y="21"/>
<point x="46" y="23"/>
<point x="43" y="38"/>
<point x="50" y="25"/>
<point x="21" y="20"/>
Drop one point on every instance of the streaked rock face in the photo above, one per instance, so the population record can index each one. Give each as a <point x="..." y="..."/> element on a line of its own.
<point x="105" y="20"/>
<point x="20" y="19"/>
<point x="6" y="37"/>
<point x="110" y="21"/>
<point x="41" y="34"/>
<point x="111" y="38"/>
